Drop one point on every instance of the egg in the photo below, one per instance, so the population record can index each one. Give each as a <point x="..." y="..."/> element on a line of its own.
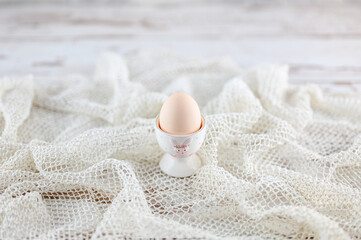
<point x="180" y="115"/>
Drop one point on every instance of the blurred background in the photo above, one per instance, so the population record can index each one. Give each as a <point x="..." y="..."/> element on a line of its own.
<point x="319" y="40"/>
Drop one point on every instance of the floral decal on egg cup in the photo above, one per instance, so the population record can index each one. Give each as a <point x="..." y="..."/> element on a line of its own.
<point x="181" y="150"/>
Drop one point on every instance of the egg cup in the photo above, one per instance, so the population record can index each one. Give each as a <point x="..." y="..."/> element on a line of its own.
<point x="180" y="159"/>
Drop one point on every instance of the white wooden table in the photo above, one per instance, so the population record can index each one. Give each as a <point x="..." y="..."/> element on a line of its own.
<point x="321" y="43"/>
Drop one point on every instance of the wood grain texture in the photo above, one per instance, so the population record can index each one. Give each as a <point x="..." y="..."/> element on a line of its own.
<point x="321" y="42"/>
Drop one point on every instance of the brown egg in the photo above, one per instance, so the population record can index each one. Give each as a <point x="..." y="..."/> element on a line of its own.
<point x="180" y="115"/>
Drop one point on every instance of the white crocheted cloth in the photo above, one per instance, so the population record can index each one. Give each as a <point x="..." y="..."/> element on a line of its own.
<point x="79" y="158"/>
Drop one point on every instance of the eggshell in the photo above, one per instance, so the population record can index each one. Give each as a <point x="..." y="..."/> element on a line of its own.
<point x="180" y="115"/>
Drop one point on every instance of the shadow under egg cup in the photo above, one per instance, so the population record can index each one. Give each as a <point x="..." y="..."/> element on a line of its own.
<point x="180" y="159"/>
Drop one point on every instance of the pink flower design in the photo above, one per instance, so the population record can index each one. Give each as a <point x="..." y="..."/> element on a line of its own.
<point x="181" y="150"/>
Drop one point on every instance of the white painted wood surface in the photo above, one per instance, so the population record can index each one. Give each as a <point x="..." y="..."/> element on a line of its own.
<point x="321" y="42"/>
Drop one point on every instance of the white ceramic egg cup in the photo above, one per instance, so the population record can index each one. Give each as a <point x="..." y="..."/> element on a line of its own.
<point x="180" y="159"/>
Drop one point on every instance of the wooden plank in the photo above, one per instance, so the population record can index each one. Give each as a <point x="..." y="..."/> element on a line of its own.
<point x="321" y="43"/>
<point x="198" y="22"/>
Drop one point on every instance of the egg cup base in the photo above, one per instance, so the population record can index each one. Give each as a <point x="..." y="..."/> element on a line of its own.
<point x="180" y="167"/>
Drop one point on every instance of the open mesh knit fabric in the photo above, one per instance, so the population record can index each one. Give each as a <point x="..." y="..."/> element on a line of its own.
<point x="79" y="157"/>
